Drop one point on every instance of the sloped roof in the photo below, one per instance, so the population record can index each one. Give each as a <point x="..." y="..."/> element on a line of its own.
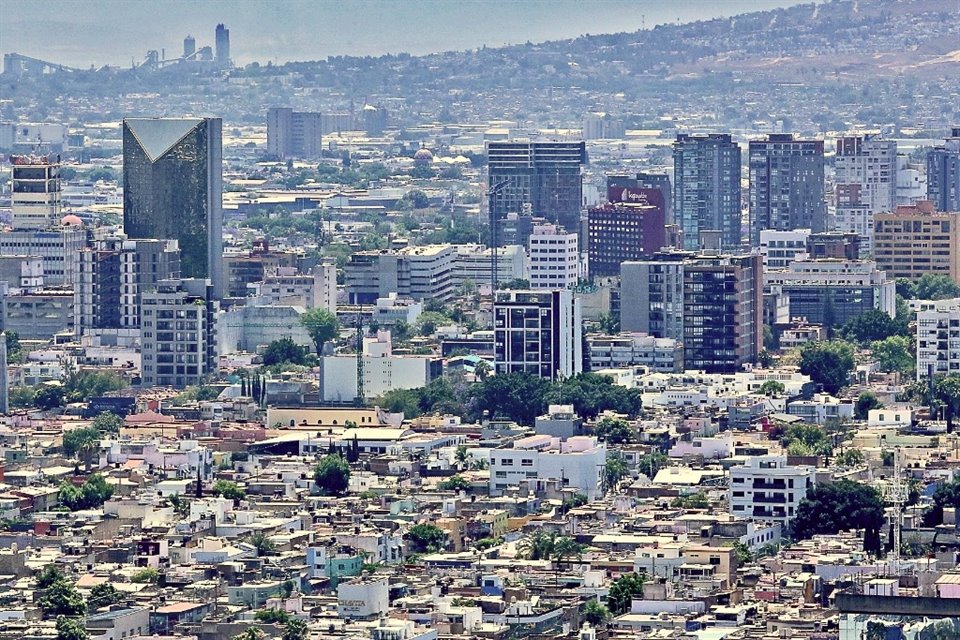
<point x="158" y="135"/>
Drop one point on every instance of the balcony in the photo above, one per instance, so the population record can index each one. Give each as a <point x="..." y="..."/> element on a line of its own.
<point x="772" y="484"/>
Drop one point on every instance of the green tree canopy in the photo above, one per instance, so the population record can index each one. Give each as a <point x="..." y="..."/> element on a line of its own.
<point x="426" y="538"/>
<point x="872" y="326"/>
<point x="48" y="575"/>
<point x="103" y="595"/>
<point x="946" y="395"/>
<point x="931" y="287"/>
<point x="803" y="439"/>
<point x="839" y="506"/>
<point x="295" y="629"/>
<point x="772" y="388"/>
<point x="322" y="326"/>
<point x="595" y="613"/>
<point x="614" y="431"/>
<point x="895" y="353"/>
<point x="454" y="483"/>
<point x="229" y="490"/>
<point x="48" y="397"/>
<point x="865" y="402"/>
<point x="71" y="629"/>
<point x="946" y="495"/>
<point x="62" y="599"/>
<point x="615" y="468"/>
<point x="850" y="458"/>
<point x="332" y="475"/>
<point x="272" y="616"/>
<point x="107" y="422"/>
<point x="284" y="351"/>
<point x="80" y="386"/>
<point x="92" y="494"/>
<point x="623" y="590"/>
<point x="828" y="363"/>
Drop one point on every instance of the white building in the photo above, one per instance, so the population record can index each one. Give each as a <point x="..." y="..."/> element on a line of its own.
<point x="821" y="408"/>
<point x="577" y="462"/>
<point x="35" y="198"/>
<point x="392" y="309"/>
<point x="382" y="371"/>
<point x="363" y="598"/>
<point x="250" y="327"/>
<point x="911" y="181"/>
<point x="178" y="333"/>
<point x="538" y="332"/>
<point x="766" y="488"/>
<point x="60" y="249"/>
<point x="780" y="248"/>
<point x="866" y="184"/>
<point x="554" y="258"/>
<point x="938" y="338"/>
<point x="314" y="290"/>
<point x="634" y="349"/>
<point x="474" y="263"/>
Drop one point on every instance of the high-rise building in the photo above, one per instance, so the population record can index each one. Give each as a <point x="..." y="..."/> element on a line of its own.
<point x="943" y="173"/>
<point x="4" y="387"/>
<point x="59" y="248"/>
<point x="780" y="248"/>
<point x="768" y="489"/>
<point x="915" y="240"/>
<point x="602" y="126"/>
<point x="706" y="188"/>
<point x="938" y="339"/>
<point x="538" y="332"/>
<point x="173" y="189"/>
<point x="866" y="184"/>
<point x="35" y="198"/>
<point x="722" y="312"/>
<point x="554" y="258"/>
<point x="241" y="269"/>
<point x="222" y="44"/>
<point x="622" y="231"/>
<point x="422" y="273"/>
<point x="786" y="185"/>
<point x="189" y="47"/>
<point x="113" y="276"/>
<point x="178" y="333"/>
<point x="294" y="133"/>
<point x="620" y="188"/>
<point x="541" y="177"/>
<point x="712" y="304"/>
<point x="375" y="119"/>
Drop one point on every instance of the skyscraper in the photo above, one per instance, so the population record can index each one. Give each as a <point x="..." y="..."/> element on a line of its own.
<point x="706" y="188"/>
<point x="222" y="44"/>
<point x="294" y="133"/>
<point x="179" y="333"/>
<point x="786" y="185"/>
<point x="35" y="201"/>
<point x="866" y="184"/>
<point x="173" y="189"/>
<point x="627" y="230"/>
<point x="541" y="176"/>
<point x="4" y="388"/>
<point x="943" y="173"/>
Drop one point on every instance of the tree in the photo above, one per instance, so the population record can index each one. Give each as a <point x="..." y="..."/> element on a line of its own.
<point x="595" y="613"/>
<point x="871" y="326"/>
<point x="651" y="463"/>
<point x="15" y="353"/>
<point x="850" y="458"/>
<point x="283" y="351"/>
<point x="71" y="629"/>
<point x="62" y="599"/>
<point x="838" y="506"/>
<point x="80" y="386"/>
<point x="332" y="475"/>
<point x="103" y="595"/>
<point x="693" y="501"/>
<point x="615" y="469"/>
<point x="865" y="402"/>
<point x="148" y="575"/>
<point x="48" y="575"/>
<point x="936" y="287"/>
<point x="828" y="363"/>
<point x="517" y="396"/>
<point x="895" y="353"/>
<point x="22" y="397"/>
<point x="107" y="422"/>
<point x="614" y="431"/>
<point x="92" y="494"/>
<point x="742" y="553"/>
<point x="229" y="490"/>
<point x="772" y="388"/>
<point x="426" y="538"/>
<point x="539" y="545"/>
<point x="591" y="393"/>
<point x="609" y="323"/>
<point x="295" y="629"/>
<point x="251" y="633"/>
<point x="48" y="397"/>
<point x="765" y="359"/>
<point x="272" y="616"/>
<point x="803" y="439"/>
<point x="454" y="483"/>
<point x="515" y="283"/>
<point x="946" y="495"/>
<point x="623" y="590"/>
<point x="946" y="392"/>
<point x="322" y="326"/>
<point x="565" y="549"/>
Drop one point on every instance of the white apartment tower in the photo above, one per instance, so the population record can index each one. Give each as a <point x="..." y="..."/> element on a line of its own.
<point x="35" y="201"/>
<point x="938" y="339"/>
<point x="865" y="184"/>
<point x="554" y="258"/>
<point x="538" y="332"/>
<point x="767" y="488"/>
<point x="178" y="332"/>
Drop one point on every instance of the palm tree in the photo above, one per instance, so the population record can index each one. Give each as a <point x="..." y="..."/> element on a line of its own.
<point x="86" y="451"/>
<point x="564" y="548"/>
<point x="539" y="546"/>
<point x="262" y="543"/>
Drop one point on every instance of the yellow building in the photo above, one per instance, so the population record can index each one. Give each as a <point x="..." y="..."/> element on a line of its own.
<point x="917" y="239"/>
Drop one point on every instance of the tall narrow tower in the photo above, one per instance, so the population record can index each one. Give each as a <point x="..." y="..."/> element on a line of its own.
<point x="4" y="389"/>
<point x="222" y="46"/>
<point x="35" y="201"/>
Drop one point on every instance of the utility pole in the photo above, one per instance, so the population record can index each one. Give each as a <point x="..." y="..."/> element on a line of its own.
<point x="494" y="243"/>
<point x="359" y="324"/>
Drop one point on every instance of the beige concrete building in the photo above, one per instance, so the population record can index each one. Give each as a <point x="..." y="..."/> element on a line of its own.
<point x="917" y="239"/>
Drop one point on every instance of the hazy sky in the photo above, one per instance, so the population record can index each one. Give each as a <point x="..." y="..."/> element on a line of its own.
<point x="81" y="33"/>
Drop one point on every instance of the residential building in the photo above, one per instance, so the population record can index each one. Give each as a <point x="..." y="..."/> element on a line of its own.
<point x="538" y="332"/>
<point x="173" y="188"/>
<point x="473" y="263"/>
<point x="4" y="387"/>
<point x="285" y="285"/>
<point x="938" y="339"/>
<point x="178" y="333"/>
<point x="59" y="248"/>
<point x="618" y="232"/>
<point x="38" y="314"/>
<point x="112" y="277"/>
<point x="917" y="239"/>
<point x="911" y="181"/>
<point x="554" y="258"/>
<point x="420" y="273"/>
<point x="722" y="312"/>
<point x="831" y="291"/>
<point x="602" y="126"/>
<point x="382" y="371"/>
<point x="786" y="185"/>
<point x="629" y="350"/>
<point x="651" y="295"/>
<point x="766" y="488"/>
<point x="866" y="184"/>
<point x="822" y="408"/>
<point x="297" y="134"/>
<point x="706" y="182"/>
<point x="392" y="309"/>
<point x="943" y="173"/>
<point x="241" y="269"/>
<point x="544" y="177"/>
<point x="780" y="248"/>
<point x="35" y="197"/>
<point x="576" y="463"/>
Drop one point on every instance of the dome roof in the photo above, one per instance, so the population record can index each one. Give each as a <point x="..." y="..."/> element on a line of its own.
<point x="423" y="154"/>
<point x="71" y="220"/>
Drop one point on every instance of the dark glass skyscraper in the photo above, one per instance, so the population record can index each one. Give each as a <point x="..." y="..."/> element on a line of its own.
<point x="544" y="176"/>
<point x="706" y="188"/>
<point x="943" y="174"/>
<point x="786" y="185"/>
<point x="173" y="189"/>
